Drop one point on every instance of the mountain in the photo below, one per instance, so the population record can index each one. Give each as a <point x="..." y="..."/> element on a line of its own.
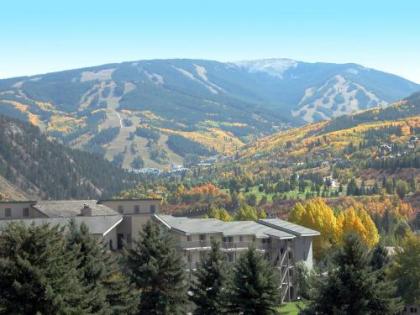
<point x="385" y="139"/>
<point x="33" y="167"/>
<point x="157" y="112"/>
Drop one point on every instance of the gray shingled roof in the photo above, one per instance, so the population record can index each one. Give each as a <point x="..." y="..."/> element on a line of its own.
<point x="100" y="225"/>
<point x="210" y="226"/>
<point x="289" y="227"/>
<point x="71" y="208"/>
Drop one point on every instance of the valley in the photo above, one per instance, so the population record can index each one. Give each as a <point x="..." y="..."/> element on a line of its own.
<point x="130" y="112"/>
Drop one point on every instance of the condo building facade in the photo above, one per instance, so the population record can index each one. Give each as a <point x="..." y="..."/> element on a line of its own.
<point x="117" y="222"/>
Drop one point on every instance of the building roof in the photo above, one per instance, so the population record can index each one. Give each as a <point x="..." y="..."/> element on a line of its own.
<point x="99" y="225"/>
<point x="130" y="199"/>
<point x="289" y="227"/>
<point x="71" y="208"/>
<point x="214" y="226"/>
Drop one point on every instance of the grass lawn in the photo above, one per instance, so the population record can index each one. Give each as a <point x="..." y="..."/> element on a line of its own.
<point x="290" y="308"/>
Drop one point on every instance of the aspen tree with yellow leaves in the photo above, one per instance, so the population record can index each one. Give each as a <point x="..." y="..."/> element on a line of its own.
<point x="316" y="214"/>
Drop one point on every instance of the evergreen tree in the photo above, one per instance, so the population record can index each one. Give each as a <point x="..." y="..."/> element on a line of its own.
<point x="107" y="289"/>
<point x="210" y="283"/>
<point x="91" y="267"/>
<point x="255" y="287"/>
<point x="37" y="274"/>
<point x="379" y="258"/>
<point x="406" y="270"/>
<point x="351" y="286"/>
<point x="156" y="269"/>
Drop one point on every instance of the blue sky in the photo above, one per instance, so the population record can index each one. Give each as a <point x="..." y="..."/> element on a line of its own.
<point x="44" y="36"/>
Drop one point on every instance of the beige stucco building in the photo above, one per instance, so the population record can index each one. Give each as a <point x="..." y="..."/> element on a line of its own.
<point x="118" y="221"/>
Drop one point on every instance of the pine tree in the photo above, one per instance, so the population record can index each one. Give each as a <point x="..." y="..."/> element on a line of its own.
<point x="406" y="270"/>
<point x="351" y="286"/>
<point x="107" y="289"/>
<point x="91" y="267"/>
<point x="120" y="294"/>
<point x="380" y="258"/>
<point x="210" y="283"/>
<point x="156" y="269"/>
<point x="255" y="287"/>
<point x="38" y="274"/>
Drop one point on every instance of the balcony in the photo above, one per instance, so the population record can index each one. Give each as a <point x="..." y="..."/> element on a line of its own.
<point x="203" y="245"/>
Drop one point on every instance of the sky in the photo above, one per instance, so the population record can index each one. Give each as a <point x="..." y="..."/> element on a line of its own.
<point x="45" y="36"/>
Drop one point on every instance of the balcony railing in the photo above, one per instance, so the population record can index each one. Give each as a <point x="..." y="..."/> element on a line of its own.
<point x="223" y="245"/>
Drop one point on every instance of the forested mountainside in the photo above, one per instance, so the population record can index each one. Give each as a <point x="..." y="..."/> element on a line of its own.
<point x="373" y="154"/>
<point x="31" y="166"/>
<point x="366" y="145"/>
<point x="143" y="113"/>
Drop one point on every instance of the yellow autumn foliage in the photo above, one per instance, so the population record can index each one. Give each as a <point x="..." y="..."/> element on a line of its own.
<point x="317" y="215"/>
<point x="359" y="222"/>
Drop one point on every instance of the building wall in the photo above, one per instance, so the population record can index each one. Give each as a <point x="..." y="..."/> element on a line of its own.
<point x="110" y="239"/>
<point x="411" y="310"/>
<point x="136" y="214"/>
<point x="302" y="249"/>
<point x="17" y="210"/>
<point x="133" y="206"/>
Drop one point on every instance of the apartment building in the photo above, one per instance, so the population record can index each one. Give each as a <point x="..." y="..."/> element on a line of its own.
<point x="282" y="242"/>
<point x="117" y="221"/>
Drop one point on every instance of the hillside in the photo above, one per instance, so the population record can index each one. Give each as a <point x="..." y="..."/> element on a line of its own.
<point x="9" y="191"/>
<point x="370" y="146"/>
<point x="31" y="166"/>
<point x="139" y="114"/>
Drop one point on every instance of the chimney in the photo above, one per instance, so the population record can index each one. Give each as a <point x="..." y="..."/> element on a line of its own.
<point x="86" y="211"/>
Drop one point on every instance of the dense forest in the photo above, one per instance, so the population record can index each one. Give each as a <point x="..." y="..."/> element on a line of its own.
<point x="47" y="169"/>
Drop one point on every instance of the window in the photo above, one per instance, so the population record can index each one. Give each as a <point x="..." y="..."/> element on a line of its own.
<point x="152" y="209"/>
<point x="202" y="237"/>
<point x="228" y="239"/>
<point x="241" y="238"/>
<point x="26" y="212"/>
<point x="189" y="238"/>
<point x="7" y="212"/>
<point x="120" y="240"/>
<point x="120" y="209"/>
<point x="136" y="209"/>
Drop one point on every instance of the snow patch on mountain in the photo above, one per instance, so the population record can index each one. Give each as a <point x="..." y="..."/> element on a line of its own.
<point x="101" y="75"/>
<point x="202" y="73"/>
<point x="338" y="96"/>
<point x="274" y="67"/>
<point x="192" y="77"/>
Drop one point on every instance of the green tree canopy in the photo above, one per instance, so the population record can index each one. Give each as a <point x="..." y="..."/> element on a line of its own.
<point x="209" y="286"/>
<point x="38" y="275"/>
<point x="255" y="287"/>
<point x="351" y="286"/>
<point x="156" y="269"/>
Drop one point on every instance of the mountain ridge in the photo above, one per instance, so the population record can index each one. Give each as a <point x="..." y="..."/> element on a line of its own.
<point x="220" y="106"/>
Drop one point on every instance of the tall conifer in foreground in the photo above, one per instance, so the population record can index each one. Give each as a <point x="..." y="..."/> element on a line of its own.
<point x="255" y="287"/>
<point x="209" y="286"/>
<point x="156" y="269"/>
<point x="107" y="289"/>
<point x="351" y="286"/>
<point x="37" y="274"/>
